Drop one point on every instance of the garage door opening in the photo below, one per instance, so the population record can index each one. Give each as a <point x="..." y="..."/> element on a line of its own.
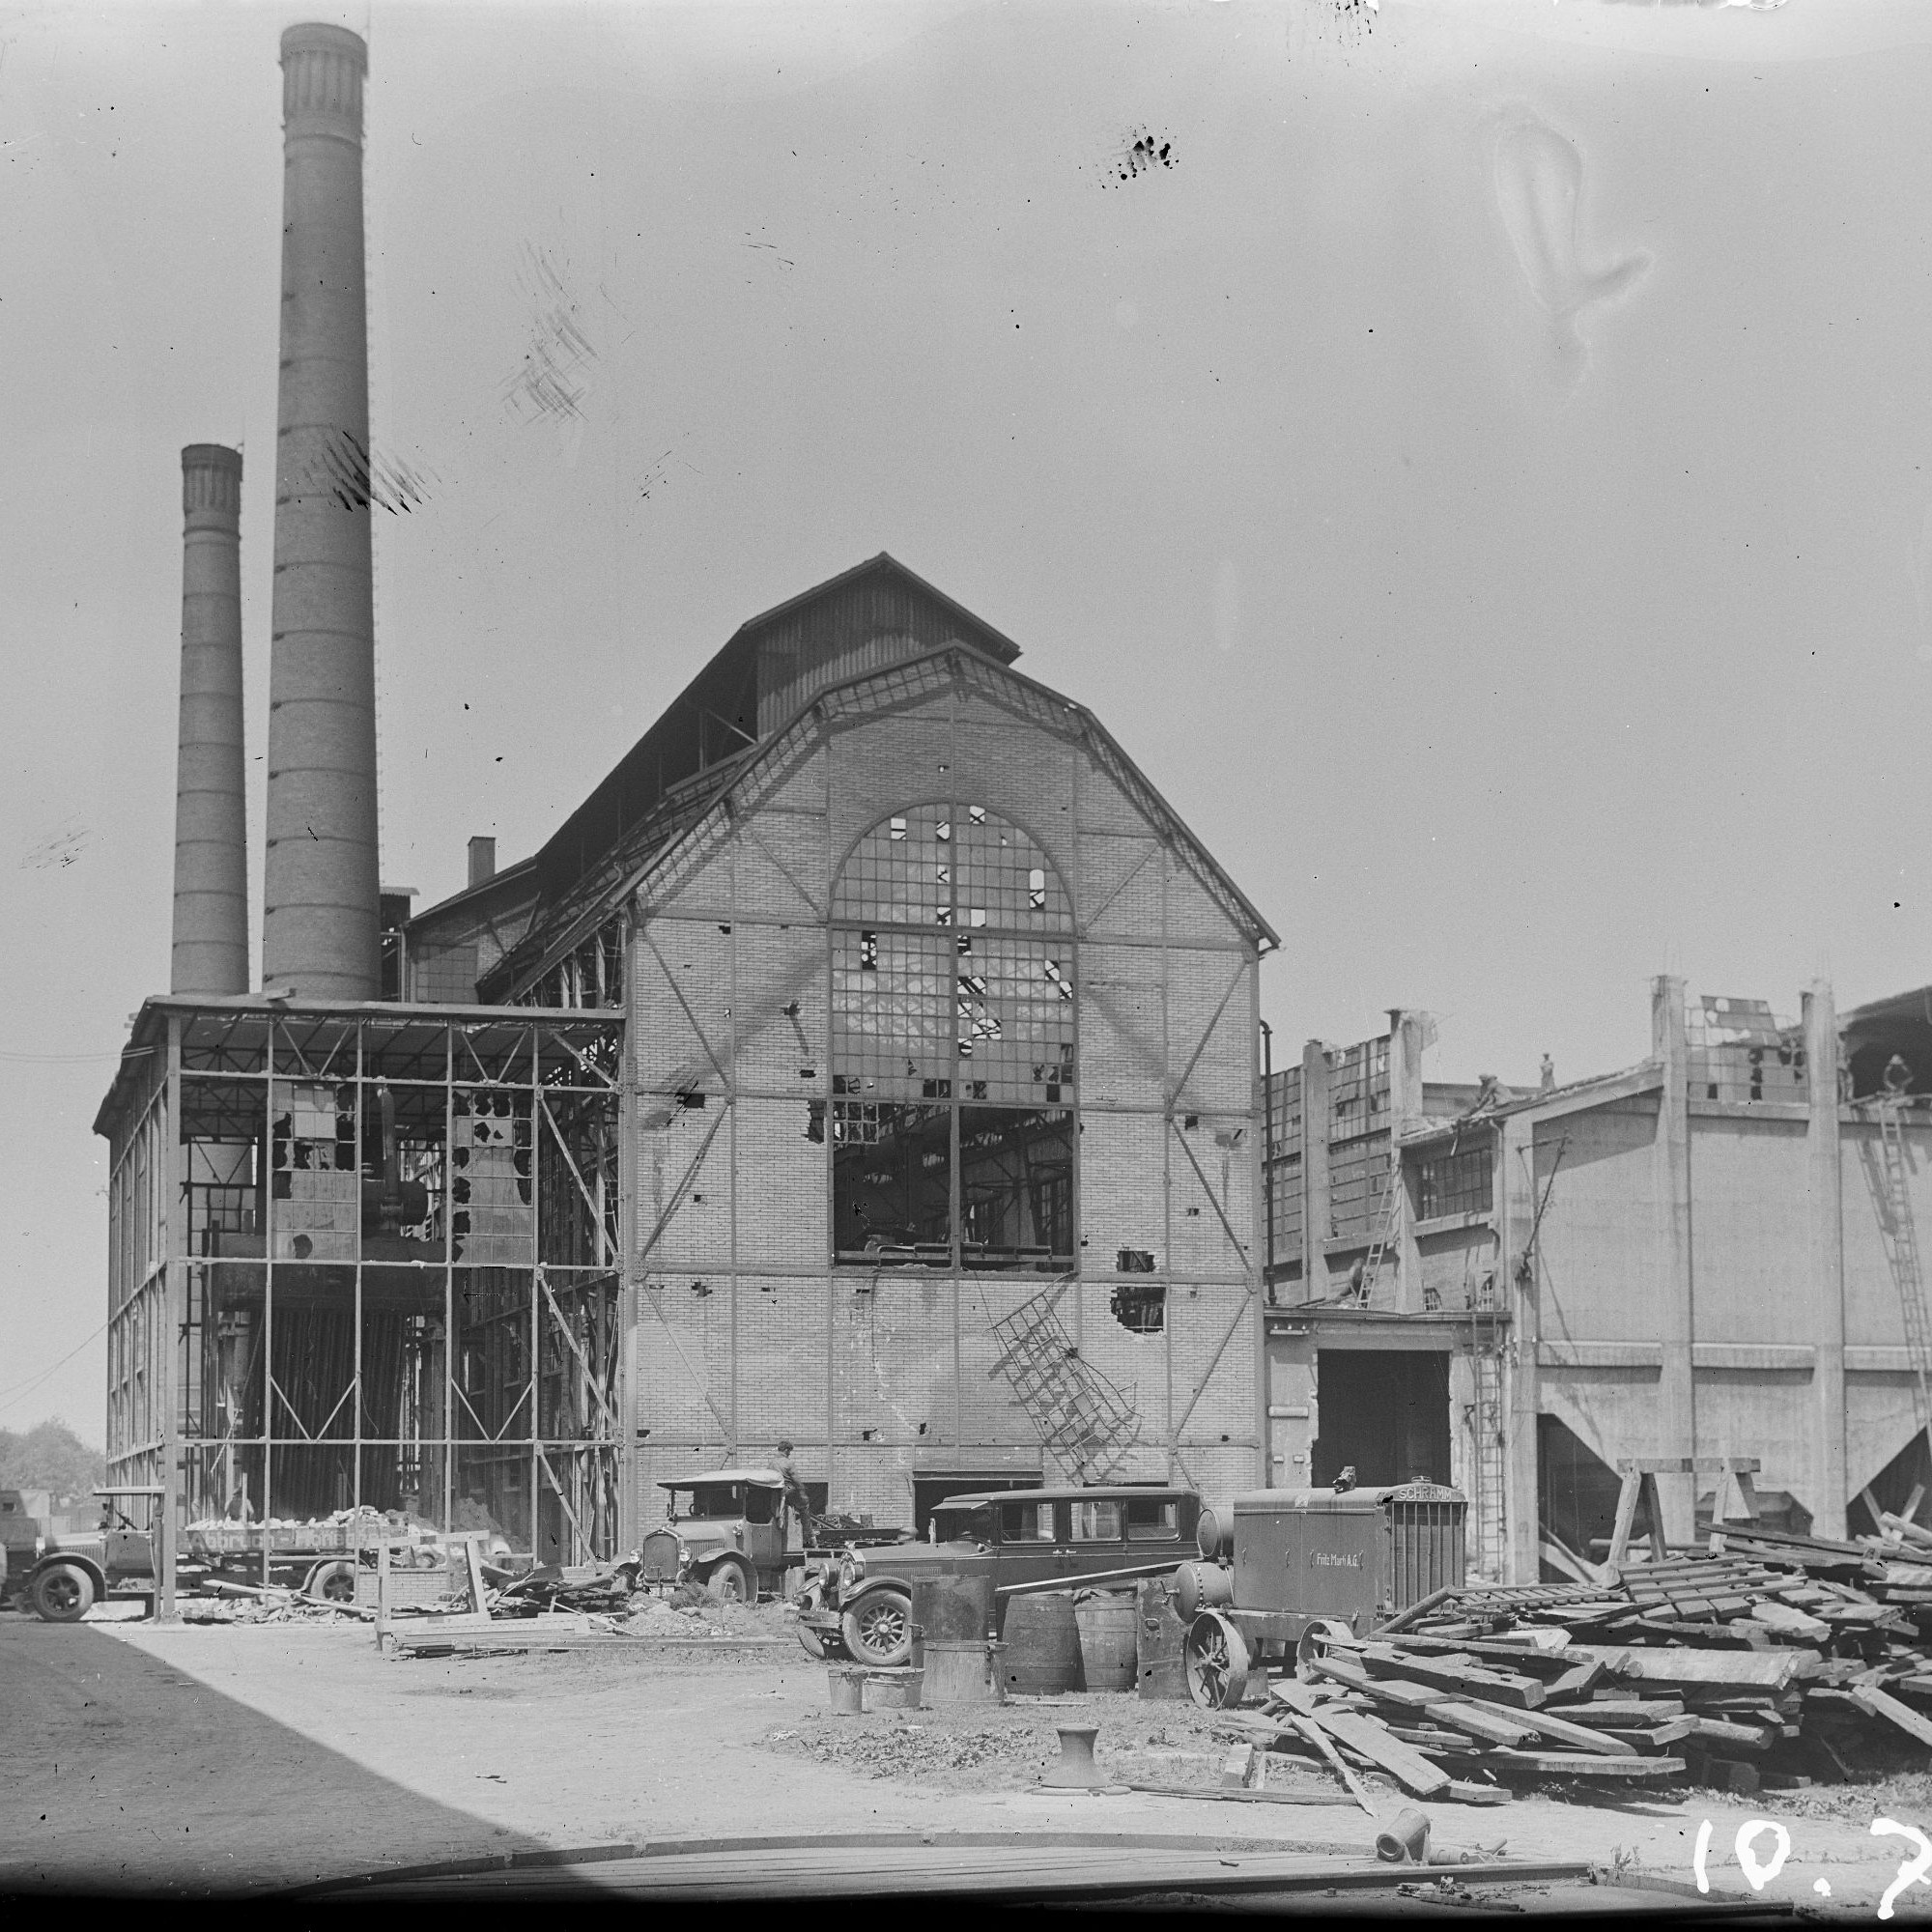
<point x="929" y="1492"/>
<point x="1385" y="1413"/>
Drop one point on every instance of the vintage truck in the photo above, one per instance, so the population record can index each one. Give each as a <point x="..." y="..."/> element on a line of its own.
<point x="1275" y="1562"/>
<point x="71" y="1573"/>
<point x="724" y="1529"/>
<point x="859" y="1603"/>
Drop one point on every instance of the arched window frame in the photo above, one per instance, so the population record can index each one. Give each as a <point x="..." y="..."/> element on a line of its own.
<point x="1011" y="1203"/>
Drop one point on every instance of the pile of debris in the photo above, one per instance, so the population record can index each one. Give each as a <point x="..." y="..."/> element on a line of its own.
<point x="597" y="1589"/>
<point x="1774" y="1662"/>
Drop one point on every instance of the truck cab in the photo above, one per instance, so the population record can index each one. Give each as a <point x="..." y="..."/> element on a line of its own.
<point x="71" y="1573"/>
<point x="724" y="1529"/>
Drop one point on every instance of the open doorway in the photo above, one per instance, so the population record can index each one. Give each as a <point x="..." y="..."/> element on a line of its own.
<point x="929" y="1492"/>
<point x="1385" y="1413"/>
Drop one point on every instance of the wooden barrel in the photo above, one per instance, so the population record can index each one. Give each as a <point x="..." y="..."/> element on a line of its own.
<point x="1159" y="1636"/>
<point x="1107" y="1623"/>
<point x="1043" y="1645"/>
<point x="953" y="1609"/>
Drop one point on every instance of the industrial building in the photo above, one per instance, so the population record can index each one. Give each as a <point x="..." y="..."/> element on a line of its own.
<point x="1710" y="1254"/>
<point x="870" y="1063"/>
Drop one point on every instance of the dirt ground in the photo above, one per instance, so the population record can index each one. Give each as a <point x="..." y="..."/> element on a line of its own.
<point x="224" y="1757"/>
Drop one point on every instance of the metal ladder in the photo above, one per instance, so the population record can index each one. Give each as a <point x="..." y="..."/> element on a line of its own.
<point x="1888" y="1177"/>
<point x="1372" y="1264"/>
<point x="1078" y="1414"/>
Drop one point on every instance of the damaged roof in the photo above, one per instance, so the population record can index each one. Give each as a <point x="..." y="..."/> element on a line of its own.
<point x="638" y="819"/>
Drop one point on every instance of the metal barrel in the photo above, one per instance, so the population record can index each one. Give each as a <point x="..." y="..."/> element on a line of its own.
<point x="1159" y="1636"/>
<point x="953" y="1609"/>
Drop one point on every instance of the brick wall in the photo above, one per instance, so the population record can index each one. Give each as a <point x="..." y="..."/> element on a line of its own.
<point x="746" y="1333"/>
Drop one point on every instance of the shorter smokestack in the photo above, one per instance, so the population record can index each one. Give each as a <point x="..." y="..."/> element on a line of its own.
<point x="211" y="924"/>
<point x="482" y="861"/>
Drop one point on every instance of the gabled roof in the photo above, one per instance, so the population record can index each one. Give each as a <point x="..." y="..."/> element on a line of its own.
<point x="653" y="847"/>
<point x="717" y="713"/>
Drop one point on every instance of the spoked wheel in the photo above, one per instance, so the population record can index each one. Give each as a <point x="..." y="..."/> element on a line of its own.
<point x="878" y="1629"/>
<point x="1216" y="1660"/>
<point x="1315" y="1641"/>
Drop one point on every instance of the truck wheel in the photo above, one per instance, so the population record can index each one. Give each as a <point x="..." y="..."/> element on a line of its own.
<point x="332" y="1584"/>
<point x="878" y="1629"/>
<point x="730" y="1582"/>
<point x="1216" y="1660"/>
<point x="62" y="1593"/>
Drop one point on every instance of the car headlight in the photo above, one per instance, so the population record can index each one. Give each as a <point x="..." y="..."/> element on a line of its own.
<point x="851" y="1569"/>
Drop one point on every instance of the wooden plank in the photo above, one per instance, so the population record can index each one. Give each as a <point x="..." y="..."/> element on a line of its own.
<point x="1455" y="1674"/>
<point x="1579" y="1682"/>
<point x="1652" y="1737"/>
<point x="1368" y="1736"/>
<point x="1604" y="1711"/>
<point x="1870" y="1697"/>
<point x="1749" y="1670"/>
<point x="1551" y="1728"/>
<point x="1551" y="1662"/>
<point x="1567" y="1764"/>
<point x="1733" y="1737"/>
<point x="1493" y="1727"/>
<point x="1236" y="1797"/>
<point x="1318" y="1738"/>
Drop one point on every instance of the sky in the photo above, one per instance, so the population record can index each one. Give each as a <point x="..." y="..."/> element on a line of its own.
<point x="1476" y="458"/>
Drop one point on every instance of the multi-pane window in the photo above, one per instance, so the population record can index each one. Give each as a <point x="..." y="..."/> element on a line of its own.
<point x="953" y="1059"/>
<point x="1460" y="1182"/>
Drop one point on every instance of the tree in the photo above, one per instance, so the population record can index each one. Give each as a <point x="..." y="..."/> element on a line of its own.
<point x="50" y="1456"/>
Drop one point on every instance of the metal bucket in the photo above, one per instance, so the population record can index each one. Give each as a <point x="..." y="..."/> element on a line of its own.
<point x="1043" y="1645"/>
<point x="963" y="1673"/>
<point x="1107" y="1623"/>
<point x="1159" y="1639"/>
<point x="848" y="1689"/>
<point x="892" y="1690"/>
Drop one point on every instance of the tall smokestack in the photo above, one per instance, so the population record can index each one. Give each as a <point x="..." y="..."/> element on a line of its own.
<point x="211" y="937"/>
<point x="321" y="919"/>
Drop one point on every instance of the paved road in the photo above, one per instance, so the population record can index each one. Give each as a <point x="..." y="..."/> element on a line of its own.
<point x="118" y="1772"/>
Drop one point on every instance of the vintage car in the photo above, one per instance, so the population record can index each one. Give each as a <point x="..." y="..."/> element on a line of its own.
<point x="862" y="1604"/>
<point x="725" y="1528"/>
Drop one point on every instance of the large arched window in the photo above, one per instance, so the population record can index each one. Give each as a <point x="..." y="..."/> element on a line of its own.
<point x="954" y="1042"/>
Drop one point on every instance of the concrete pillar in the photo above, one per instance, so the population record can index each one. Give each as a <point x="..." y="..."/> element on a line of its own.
<point x="1516" y="1290"/>
<point x="211" y="908"/>
<point x="1824" y="1195"/>
<point x="1407" y="1038"/>
<point x="1315" y="1209"/>
<point x="1670" y="1180"/>
<point x="321" y="919"/>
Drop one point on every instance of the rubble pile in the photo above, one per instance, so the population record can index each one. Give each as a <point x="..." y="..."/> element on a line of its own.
<point x="1774" y="1662"/>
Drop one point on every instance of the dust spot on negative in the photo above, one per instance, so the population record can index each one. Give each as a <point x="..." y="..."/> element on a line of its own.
<point x="1141" y="153"/>
<point x="1538" y="181"/>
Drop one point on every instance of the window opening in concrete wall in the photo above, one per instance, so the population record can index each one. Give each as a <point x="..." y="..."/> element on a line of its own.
<point x="953" y="1046"/>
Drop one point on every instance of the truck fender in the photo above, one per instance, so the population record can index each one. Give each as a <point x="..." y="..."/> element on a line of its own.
<point x="86" y="1564"/>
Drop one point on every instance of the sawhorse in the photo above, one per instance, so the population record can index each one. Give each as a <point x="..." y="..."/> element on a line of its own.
<point x="1640" y="1474"/>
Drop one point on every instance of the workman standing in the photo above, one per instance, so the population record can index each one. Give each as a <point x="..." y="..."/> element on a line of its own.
<point x="795" y="1498"/>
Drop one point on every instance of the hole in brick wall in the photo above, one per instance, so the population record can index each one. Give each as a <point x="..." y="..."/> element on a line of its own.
<point x="1140" y="1306"/>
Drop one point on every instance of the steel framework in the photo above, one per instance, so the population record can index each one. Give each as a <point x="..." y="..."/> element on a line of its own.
<point x="384" y="1243"/>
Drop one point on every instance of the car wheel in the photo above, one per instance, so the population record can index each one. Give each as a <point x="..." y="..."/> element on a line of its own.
<point x="730" y="1582"/>
<point x="332" y="1584"/>
<point x="62" y="1593"/>
<point x="878" y="1629"/>
<point x="1216" y="1660"/>
<point x="819" y="1644"/>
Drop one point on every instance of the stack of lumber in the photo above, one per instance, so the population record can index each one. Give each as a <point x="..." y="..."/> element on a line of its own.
<point x="1774" y="1660"/>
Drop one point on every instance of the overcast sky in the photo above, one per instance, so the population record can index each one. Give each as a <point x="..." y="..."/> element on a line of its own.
<point x="1481" y="469"/>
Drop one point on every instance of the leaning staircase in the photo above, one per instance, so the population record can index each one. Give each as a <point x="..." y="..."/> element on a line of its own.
<point x="1079" y="1415"/>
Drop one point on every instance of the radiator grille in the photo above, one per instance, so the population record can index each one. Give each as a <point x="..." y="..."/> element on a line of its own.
<point x="1425" y="1541"/>
<point x="658" y="1558"/>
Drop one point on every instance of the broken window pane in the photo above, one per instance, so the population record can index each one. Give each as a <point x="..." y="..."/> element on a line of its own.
<point x="892" y="1183"/>
<point x="1016" y="1187"/>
